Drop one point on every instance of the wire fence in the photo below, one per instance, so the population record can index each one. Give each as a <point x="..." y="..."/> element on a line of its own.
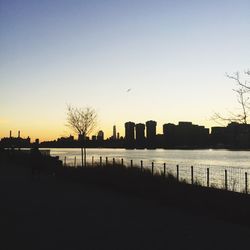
<point x="221" y="177"/>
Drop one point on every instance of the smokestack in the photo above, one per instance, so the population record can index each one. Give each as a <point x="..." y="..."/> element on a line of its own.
<point x="18" y="133"/>
<point x="10" y="134"/>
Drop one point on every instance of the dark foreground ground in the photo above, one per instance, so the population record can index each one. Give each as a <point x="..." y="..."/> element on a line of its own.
<point x="55" y="213"/>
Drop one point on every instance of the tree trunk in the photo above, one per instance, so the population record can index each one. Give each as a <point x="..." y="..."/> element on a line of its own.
<point x="82" y="155"/>
<point x="85" y="157"/>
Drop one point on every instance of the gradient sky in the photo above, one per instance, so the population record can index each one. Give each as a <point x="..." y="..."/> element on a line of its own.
<point x="172" y="54"/>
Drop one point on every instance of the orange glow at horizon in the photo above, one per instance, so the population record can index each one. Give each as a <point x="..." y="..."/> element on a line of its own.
<point x="62" y="131"/>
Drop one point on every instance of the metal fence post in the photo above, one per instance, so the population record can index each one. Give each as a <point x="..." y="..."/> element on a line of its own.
<point x="192" y="175"/>
<point x="246" y="184"/>
<point x="75" y="162"/>
<point x="65" y="161"/>
<point x="141" y="166"/>
<point x="164" y="169"/>
<point x="100" y="161"/>
<point x="152" y="168"/>
<point x="122" y="162"/>
<point x="113" y="162"/>
<point x="207" y="177"/>
<point x="92" y="161"/>
<point x="226" y="179"/>
<point x="131" y="163"/>
<point x="177" y="172"/>
<point x="106" y="161"/>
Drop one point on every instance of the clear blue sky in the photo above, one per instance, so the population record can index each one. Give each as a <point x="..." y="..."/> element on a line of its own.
<point x="172" y="54"/>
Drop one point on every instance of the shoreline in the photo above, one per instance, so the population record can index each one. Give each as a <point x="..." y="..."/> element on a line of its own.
<point x="63" y="213"/>
<point x="149" y="149"/>
<point x="165" y="189"/>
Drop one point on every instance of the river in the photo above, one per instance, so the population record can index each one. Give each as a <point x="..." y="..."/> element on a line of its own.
<point x="207" y="157"/>
<point x="226" y="168"/>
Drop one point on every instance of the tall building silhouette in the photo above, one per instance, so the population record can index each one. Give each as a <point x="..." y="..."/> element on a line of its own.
<point x="114" y="133"/>
<point x="185" y="135"/>
<point x="235" y="135"/>
<point x="100" y="135"/>
<point x="151" y="133"/>
<point x="129" y="134"/>
<point x="140" y="135"/>
<point x="169" y="135"/>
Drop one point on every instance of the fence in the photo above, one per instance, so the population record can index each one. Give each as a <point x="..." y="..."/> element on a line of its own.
<point x="221" y="177"/>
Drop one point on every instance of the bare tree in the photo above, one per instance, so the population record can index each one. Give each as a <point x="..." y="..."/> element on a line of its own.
<point x="242" y="92"/>
<point x="82" y="121"/>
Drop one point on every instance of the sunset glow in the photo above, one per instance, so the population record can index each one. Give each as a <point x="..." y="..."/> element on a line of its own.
<point x="173" y="55"/>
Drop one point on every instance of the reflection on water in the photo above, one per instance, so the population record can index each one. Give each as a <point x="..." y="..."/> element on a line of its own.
<point x="220" y="158"/>
<point x="226" y="168"/>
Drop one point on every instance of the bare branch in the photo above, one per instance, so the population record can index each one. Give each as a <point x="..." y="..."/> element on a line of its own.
<point x="242" y="91"/>
<point x="81" y="120"/>
<point x="236" y="77"/>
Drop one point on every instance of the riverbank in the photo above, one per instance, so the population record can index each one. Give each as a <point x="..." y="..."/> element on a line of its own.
<point x="63" y="212"/>
<point x="167" y="190"/>
<point x="54" y="213"/>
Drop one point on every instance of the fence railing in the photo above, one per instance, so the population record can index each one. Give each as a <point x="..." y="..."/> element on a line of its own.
<point x="221" y="177"/>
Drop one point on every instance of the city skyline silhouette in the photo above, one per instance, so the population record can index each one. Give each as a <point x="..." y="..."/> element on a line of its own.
<point x="184" y="135"/>
<point x="130" y="60"/>
<point x="124" y="124"/>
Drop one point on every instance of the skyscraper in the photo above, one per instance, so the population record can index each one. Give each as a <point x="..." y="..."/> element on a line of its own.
<point x="100" y="135"/>
<point x="151" y="134"/>
<point x="114" y="133"/>
<point x="169" y="134"/>
<point x="129" y="134"/>
<point x="151" y="129"/>
<point x="140" y="135"/>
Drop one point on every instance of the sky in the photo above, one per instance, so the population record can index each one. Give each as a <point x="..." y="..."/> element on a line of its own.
<point x="173" y="55"/>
